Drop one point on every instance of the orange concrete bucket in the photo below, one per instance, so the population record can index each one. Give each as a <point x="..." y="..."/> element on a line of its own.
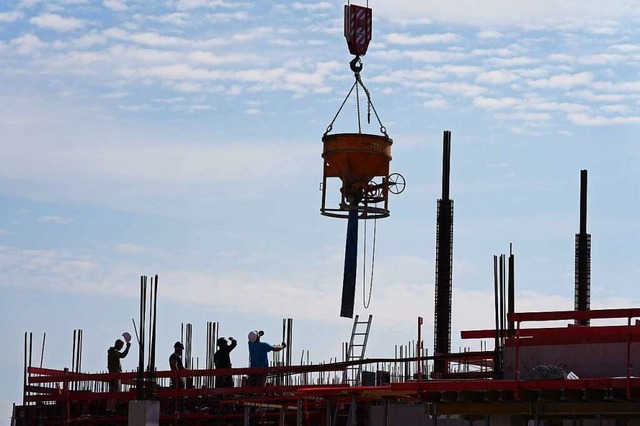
<point x="356" y="157"/>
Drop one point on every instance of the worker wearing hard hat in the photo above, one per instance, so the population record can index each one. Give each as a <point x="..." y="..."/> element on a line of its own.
<point x="114" y="366"/>
<point x="258" y="356"/>
<point x="175" y="363"/>
<point x="222" y="360"/>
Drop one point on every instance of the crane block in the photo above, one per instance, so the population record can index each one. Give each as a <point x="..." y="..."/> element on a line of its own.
<point x="357" y="28"/>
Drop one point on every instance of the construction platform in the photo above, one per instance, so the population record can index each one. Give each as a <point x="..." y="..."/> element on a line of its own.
<point x="488" y="387"/>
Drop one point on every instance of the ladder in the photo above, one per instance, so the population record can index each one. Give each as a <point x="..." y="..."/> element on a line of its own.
<point x="356" y="350"/>
<point x="345" y="413"/>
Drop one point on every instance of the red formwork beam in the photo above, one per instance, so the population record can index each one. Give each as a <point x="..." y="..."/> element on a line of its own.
<point x="574" y="315"/>
<point x="563" y="335"/>
<point x="292" y="393"/>
<point x="569" y="334"/>
<point x="40" y="375"/>
<point x="488" y="385"/>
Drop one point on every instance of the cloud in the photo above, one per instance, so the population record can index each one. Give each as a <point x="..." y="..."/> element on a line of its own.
<point x="462" y="69"/>
<point x="500" y="13"/>
<point x="185" y="87"/>
<point x="605" y="27"/>
<point x="412" y="76"/>
<point x="129" y="248"/>
<point x="160" y="40"/>
<point x="562" y="81"/>
<point x="529" y="118"/>
<point x="211" y="4"/>
<point x="224" y="162"/>
<point x="464" y="89"/>
<point x="177" y="18"/>
<point x="495" y="103"/>
<point x="436" y="103"/>
<point x="626" y="87"/>
<point x="490" y="35"/>
<point x="536" y="103"/>
<point x="615" y="109"/>
<point x="147" y="38"/>
<point x="407" y="39"/>
<point x="497" y="77"/>
<point x="561" y="57"/>
<point x="322" y="5"/>
<point x="512" y="62"/>
<point x="58" y="220"/>
<point x="86" y="41"/>
<point x="627" y="48"/>
<point x="11" y="16"/>
<point x="228" y="17"/>
<point x="214" y="59"/>
<point x="56" y="22"/>
<point x="115" y="5"/>
<point x="263" y="79"/>
<point x="116" y="95"/>
<point x="27" y="44"/>
<point x="602" y="59"/>
<point x="429" y="55"/>
<point x="585" y="119"/>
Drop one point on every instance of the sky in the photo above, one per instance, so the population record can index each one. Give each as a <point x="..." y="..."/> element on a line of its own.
<point x="183" y="138"/>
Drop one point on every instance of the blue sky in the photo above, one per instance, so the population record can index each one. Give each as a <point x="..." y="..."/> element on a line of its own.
<point x="183" y="138"/>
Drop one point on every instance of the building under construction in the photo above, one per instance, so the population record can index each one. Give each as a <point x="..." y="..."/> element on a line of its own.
<point x="578" y="372"/>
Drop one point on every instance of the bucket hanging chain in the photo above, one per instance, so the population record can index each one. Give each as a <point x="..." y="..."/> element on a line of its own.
<point x="370" y="106"/>
<point x="358" y="107"/>
<point x="356" y="67"/>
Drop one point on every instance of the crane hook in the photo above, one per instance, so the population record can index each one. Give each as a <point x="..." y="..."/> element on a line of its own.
<point x="356" y="64"/>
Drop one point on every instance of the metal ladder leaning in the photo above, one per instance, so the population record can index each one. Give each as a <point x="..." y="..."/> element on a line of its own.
<point x="356" y="350"/>
<point x="345" y="413"/>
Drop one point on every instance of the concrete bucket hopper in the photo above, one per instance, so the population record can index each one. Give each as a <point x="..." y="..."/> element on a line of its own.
<point x="361" y="163"/>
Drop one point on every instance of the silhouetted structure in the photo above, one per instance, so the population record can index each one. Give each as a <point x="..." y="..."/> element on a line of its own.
<point x="583" y="255"/>
<point x="444" y="263"/>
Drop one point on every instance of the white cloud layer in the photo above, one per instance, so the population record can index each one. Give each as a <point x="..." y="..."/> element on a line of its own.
<point x="10" y="16"/>
<point x="57" y="22"/>
<point x="532" y="13"/>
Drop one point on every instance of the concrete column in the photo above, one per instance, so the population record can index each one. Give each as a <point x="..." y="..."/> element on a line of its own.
<point x="505" y="420"/>
<point x="144" y="413"/>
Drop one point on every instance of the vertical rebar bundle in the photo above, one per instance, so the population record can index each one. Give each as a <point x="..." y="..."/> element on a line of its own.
<point x="188" y="362"/>
<point x="444" y="263"/>
<point x="511" y="304"/>
<point x="153" y="294"/>
<point x="76" y="357"/>
<point x="212" y="339"/>
<point x="583" y="256"/>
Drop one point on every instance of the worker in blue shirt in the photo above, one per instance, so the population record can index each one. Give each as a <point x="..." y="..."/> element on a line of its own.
<point x="258" y="356"/>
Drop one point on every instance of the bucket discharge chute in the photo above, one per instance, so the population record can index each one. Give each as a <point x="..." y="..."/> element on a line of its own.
<point x="350" y="266"/>
<point x="357" y="164"/>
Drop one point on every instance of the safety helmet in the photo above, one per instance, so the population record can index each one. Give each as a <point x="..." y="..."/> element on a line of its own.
<point x="178" y="345"/>
<point x="253" y="336"/>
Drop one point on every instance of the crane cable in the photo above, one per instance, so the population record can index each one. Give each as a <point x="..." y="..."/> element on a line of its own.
<point x="364" y="264"/>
